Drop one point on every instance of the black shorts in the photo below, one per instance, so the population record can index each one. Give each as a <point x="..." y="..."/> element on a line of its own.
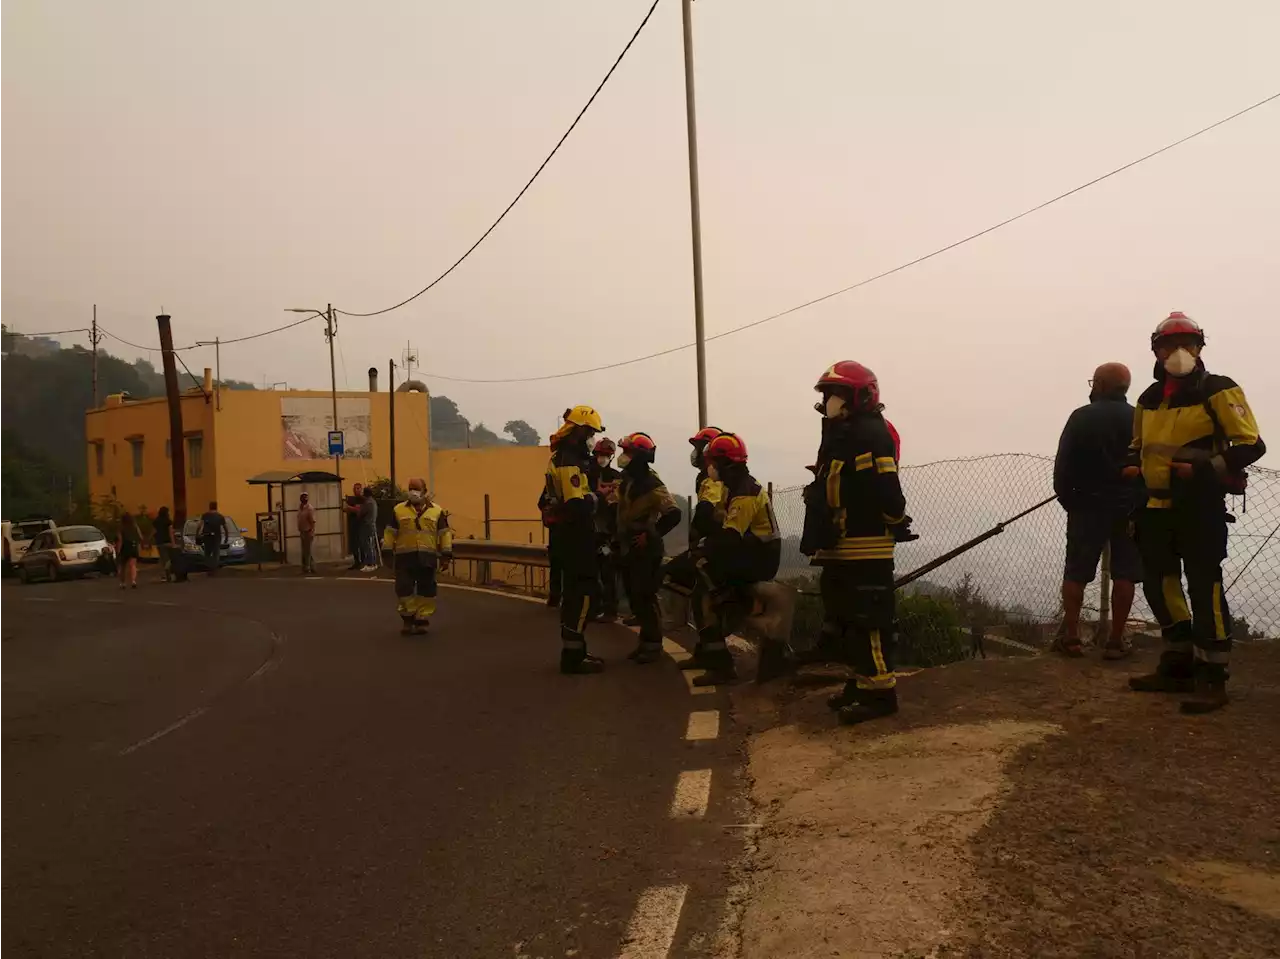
<point x="1088" y="531"/>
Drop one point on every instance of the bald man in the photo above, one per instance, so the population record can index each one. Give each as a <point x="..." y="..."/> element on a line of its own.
<point x="1099" y="502"/>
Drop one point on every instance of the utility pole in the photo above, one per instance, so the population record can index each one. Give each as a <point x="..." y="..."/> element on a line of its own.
<point x="177" y="454"/>
<point x="93" y="339"/>
<point x="217" y="363"/>
<point x="391" y="400"/>
<point x="330" y="331"/>
<point x="695" y="215"/>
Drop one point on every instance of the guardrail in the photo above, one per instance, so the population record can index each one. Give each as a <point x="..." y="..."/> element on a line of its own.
<point x="481" y="556"/>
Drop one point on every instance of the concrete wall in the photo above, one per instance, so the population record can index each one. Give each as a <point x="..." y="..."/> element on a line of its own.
<point x="513" y="476"/>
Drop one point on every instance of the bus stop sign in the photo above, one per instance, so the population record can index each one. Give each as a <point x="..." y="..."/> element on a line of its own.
<point x="335" y="442"/>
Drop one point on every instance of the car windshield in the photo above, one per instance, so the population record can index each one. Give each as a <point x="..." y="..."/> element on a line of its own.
<point x="24" y="531"/>
<point x="80" y="534"/>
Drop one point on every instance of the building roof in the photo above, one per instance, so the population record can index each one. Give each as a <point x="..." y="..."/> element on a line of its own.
<point x="288" y="476"/>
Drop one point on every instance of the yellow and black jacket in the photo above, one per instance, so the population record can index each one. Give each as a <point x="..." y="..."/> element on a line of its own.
<point x="747" y="546"/>
<point x="424" y="532"/>
<point x="708" y="514"/>
<point x="567" y="498"/>
<point x="1207" y="422"/>
<point x="645" y="506"/>
<point x="855" y="499"/>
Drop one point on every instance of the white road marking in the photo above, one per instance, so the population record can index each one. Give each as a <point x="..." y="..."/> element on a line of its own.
<point x="113" y="601"/>
<point x="40" y="599"/>
<point x="160" y="602"/>
<point x="195" y="713"/>
<point x="652" y="929"/>
<point x="675" y="650"/>
<point x="703" y="724"/>
<point x="492" y="592"/>
<point x="693" y="792"/>
<point x="689" y="676"/>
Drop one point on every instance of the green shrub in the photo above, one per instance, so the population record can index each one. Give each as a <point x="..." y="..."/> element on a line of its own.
<point x="929" y="631"/>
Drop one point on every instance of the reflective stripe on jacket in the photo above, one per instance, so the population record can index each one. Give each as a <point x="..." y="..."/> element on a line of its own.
<point x="424" y="532"/>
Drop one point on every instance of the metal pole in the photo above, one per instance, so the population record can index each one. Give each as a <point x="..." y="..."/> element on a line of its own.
<point x="330" y="332"/>
<point x="431" y="455"/>
<point x="487" y="533"/>
<point x="93" y="337"/>
<point x="695" y="215"/>
<point x="391" y="401"/>
<point x="217" y="362"/>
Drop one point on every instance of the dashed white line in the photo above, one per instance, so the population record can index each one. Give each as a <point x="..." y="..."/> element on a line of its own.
<point x="703" y="724"/>
<point x="653" y="925"/>
<point x="689" y="676"/>
<point x="693" y="792"/>
<point x="161" y="602"/>
<point x="115" y="602"/>
<point x="40" y="599"/>
<point x="195" y="713"/>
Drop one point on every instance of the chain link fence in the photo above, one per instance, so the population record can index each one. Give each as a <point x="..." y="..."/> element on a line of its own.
<point x="1019" y="572"/>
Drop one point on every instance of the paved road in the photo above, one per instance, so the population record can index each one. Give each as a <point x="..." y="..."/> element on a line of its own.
<point x="264" y="767"/>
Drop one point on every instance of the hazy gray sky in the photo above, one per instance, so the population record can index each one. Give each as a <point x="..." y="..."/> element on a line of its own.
<point x="229" y="160"/>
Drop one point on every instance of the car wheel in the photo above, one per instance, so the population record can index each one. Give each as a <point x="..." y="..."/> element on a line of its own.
<point x="55" y="573"/>
<point x="23" y="576"/>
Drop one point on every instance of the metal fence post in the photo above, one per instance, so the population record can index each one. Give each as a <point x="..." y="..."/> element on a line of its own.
<point x="487" y="533"/>
<point x="1104" y="599"/>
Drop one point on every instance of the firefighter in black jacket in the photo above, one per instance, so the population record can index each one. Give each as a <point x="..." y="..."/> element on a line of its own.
<point x="572" y="506"/>
<point x="854" y="513"/>
<point x="604" y="483"/>
<point x="1193" y="436"/>
<point x="681" y="574"/>
<point x="744" y="549"/>
<point x="646" y="513"/>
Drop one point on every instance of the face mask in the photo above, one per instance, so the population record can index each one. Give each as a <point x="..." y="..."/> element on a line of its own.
<point x="623" y="460"/>
<point x="1180" y="363"/>
<point x="416" y="496"/>
<point x="835" y="406"/>
<point x="603" y="461"/>
<point x="694" y="458"/>
<point x="713" y="472"/>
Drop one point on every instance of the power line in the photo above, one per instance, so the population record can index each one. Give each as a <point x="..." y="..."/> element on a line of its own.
<point x="83" y="329"/>
<point x="194" y="346"/>
<point x="870" y="279"/>
<point x="523" y="190"/>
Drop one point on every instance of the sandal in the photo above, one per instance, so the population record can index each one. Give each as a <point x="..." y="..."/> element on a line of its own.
<point x="1117" y="649"/>
<point x="1068" y="646"/>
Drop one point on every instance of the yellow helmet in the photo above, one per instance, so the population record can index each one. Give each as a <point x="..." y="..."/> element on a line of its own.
<point x="584" y="416"/>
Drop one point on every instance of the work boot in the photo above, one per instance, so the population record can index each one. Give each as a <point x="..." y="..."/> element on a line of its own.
<point x="406" y="627"/>
<point x="871" y="704"/>
<point x="553" y="600"/>
<point x="695" y="661"/>
<point x="774" y="661"/>
<point x="1209" y="698"/>
<point x="846" y="697"/>
<point x="721" y="674"/>
<point x="1173" y="675"/>
<point x="645" y="653"/>
<point x="579" y="665"/>
<point x="420" y="627"/>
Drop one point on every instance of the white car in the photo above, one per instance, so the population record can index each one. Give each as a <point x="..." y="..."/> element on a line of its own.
<point x="65" y="552"/>
<point x="18" y="536"/>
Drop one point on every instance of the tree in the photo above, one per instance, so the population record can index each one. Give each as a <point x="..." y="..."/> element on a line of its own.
<point x="522" y="433"/>
<point x="481" y="435"/>
<point x="449" y="428"/>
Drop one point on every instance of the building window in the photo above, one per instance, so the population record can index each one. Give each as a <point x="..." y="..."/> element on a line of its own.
<point x="97" y="458"/>
<point x="136" y="447"/>
<point x="195" y="456"/>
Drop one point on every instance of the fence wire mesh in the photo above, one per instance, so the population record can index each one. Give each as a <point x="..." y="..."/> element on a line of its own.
<point x="1020" y="570"/>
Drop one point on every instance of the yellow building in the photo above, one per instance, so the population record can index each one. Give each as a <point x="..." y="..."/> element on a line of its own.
<point x="232" y="436"/>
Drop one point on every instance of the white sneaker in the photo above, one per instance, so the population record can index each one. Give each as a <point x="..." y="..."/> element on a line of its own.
<point x="368" y="569"/>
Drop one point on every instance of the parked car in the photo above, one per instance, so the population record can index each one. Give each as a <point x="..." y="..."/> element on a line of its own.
<point x="67" y="552"/>
<point x="232" y="551"/>
<point x="18" y="537"/>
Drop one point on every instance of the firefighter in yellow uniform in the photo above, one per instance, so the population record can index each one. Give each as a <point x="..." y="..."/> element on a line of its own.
<point x="422" y="542"/>
<point x="854" y="514"/>
<point x="681" y="573"/>
<point x="646" y="512"/>
<point x="572" y="508"/>
<point x="1193" y="436"/>
<point x="744" y="549"/>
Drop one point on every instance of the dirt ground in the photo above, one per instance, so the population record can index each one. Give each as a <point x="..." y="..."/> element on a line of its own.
<point x="1016" y="808"/>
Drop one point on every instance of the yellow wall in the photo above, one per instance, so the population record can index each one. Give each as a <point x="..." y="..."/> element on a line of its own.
<point x="242" y="440"/>
<point x="149" y="419"/>
<point x="513" y="476"/>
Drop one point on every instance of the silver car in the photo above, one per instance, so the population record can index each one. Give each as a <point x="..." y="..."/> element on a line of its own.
<point x="66" y="552"/>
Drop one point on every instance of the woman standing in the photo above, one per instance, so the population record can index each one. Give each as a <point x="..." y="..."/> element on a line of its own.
<point x="162" y="531"/>
<point x="127" y="543"/>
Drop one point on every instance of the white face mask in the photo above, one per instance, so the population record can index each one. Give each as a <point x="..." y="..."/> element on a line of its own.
<point x="1180" y="362"/>
<point x="713" y="472"/>
<point x="623" y="460"/>
<point x="835" y="406"/>
<point x="416" y="496"/>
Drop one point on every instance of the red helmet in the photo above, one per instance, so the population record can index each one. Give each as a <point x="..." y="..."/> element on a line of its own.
<point x="727" y="446"/>
<point x="856" y="378"/>
<point x="897" y="440"/>
<point x="604" y="447"/>
<point x="705" y="436"/>
<point x="1175" y="324"/>
<point x="638" y="445"/>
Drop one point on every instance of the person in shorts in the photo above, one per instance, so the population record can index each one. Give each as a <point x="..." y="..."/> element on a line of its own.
<point x="1099" y="503"/>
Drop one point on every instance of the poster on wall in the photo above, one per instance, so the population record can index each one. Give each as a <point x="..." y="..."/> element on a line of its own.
<point x="305" y="422"/>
